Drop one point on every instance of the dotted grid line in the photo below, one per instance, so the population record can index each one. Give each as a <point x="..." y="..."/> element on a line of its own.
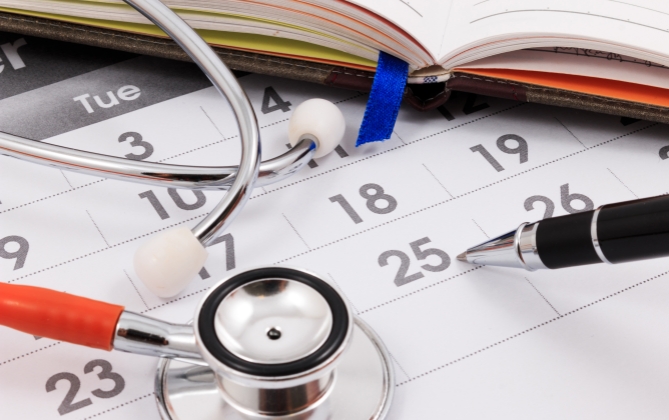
<point x="119" y="406"/>
<point x="392" y="149"/>
<point x="542" y="296"/>
<point x="28" y="354"/>
<point x="177" y="299"/>
<point x="105" y="249"/>
<point x="450" y="199"/>
<point x="236" y="135"/>
<point x="162" y="160"/>
<point x="51" y="196"/>
<point x="368" y="229"/>
<point x="420" y="290"/>
<point x="532" y="329"/>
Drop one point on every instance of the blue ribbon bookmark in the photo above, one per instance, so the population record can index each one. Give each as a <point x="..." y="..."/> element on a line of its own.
<point x="384" y="101"/>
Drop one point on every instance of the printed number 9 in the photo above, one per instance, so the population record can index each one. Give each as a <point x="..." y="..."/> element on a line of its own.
<point x="20" y="254"/>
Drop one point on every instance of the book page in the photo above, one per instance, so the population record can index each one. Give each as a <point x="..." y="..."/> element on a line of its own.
<point x="485" y="27"/>
<point x="425" y="20"/>
<point x="467" y="342"/>
<point x="579" y="62"/>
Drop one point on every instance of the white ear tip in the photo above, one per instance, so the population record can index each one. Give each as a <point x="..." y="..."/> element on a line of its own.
<point x="168" y="261"/>
<point x="320" y="118"/>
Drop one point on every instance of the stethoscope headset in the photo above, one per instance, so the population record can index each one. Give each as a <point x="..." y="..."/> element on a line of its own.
<point x="267" y="343"/>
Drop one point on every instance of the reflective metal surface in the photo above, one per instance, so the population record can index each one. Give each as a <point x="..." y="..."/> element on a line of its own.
<point x="595" y="238"/>
<point x="501" y="251"/>
<point x="277" y="402"/>
<point x="143" y="335"/>
<point x="362" y="390"/>
<point x="527" y="247"/>
<point x="516" y="249"/>
<point x="273" y="321"/>
<point x="225" y="82"/>
<point x="158" y="174"/>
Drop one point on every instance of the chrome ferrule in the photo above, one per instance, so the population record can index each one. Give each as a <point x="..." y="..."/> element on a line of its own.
<point x="595" y="238"/>
<point x="140" y="334"/>
<point x="526" y="246"/>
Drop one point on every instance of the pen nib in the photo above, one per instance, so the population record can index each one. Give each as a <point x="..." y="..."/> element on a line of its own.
<point x="462" y="257"/>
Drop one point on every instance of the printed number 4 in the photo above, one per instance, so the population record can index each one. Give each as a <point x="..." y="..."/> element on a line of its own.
<point x="68" y="405"/>
<point x="273" y="96"/>
<point x="402" y="278"/>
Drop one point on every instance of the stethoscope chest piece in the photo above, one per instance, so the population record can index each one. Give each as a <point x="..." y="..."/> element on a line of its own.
<point x="278" y="343"/>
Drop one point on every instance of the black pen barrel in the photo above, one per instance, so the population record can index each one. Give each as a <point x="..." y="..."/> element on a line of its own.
<point x="566" y="241"/>
<point x="634" y="230"/>
<point x="623" y="232"/>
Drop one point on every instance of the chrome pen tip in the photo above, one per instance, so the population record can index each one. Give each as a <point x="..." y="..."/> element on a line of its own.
<point x="462" y="257"/>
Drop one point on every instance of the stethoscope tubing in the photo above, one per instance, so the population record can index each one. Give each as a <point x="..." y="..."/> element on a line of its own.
<point x="151" y="173"/>
<point x="225" y="82"/>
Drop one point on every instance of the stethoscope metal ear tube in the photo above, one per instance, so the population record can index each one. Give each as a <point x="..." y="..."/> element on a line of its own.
<point x="226" y="83"/>
<point x="271" y="342"/>
<point x="169" y="260"/>
<point x="150" y="173"/>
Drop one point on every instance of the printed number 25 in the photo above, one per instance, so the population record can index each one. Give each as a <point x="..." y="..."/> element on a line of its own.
<point x="402" y="277"/>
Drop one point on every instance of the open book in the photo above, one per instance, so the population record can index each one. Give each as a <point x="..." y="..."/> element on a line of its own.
<point x="614" y="49"/>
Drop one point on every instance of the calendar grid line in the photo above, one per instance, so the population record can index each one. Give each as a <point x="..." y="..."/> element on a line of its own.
<point x="97" y="227"/>
<point x="623" y="184"/>
<point x="119" y="406"/>
<point x="365" y="230"/>
<point x="422" y="289"/>
<point x="29" y="353"/>
<point x="105" y="249"/>
<point x="51" y="196"/>
<point x="368" y="157"/>
<point x="136" y="289"/>
<point x="528" y="330"/>
<point x="542" y="296"/>
<point x="570" y="132"/>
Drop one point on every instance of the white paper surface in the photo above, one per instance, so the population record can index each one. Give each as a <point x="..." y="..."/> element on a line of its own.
<point x="468" y="342"/>
<point x="480" y="28"/>
<point x="579" y="62"/>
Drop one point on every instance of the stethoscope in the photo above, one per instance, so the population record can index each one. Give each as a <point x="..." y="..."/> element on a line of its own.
<point x="269" y="343"/>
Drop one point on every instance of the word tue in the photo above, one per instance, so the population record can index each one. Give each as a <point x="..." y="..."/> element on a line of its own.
<point x="127" y="93"/>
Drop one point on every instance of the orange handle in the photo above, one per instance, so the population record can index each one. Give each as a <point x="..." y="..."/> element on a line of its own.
<point x="57" y="315"/>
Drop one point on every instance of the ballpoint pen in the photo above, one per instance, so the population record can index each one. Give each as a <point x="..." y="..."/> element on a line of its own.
<point x="614" y="233"/>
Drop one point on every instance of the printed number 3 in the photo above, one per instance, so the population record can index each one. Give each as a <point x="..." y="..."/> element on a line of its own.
<point x="68" y="405"/>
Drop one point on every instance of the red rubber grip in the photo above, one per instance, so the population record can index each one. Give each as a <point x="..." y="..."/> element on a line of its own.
<point x="47" y="313"/>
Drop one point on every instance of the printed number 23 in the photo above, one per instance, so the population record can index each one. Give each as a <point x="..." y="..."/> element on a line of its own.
<point x="402" y="277"/>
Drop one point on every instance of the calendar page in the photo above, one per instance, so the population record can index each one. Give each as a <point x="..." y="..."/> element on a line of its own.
<point x="383" y="222"/>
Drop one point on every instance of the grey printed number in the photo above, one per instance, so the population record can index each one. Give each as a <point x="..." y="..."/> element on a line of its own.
<point x="137" y="141"/>
<point x="566" y="199"/>
<point x="230" y="263"/>
<point x="521" y="150"/>
<point x="272" y="96"/>
<point x="374" y="194"/>
<point x="200" y="200"/>
<point x="664" y="152"/>
<point x="19" y="255"/>
<point x="403" y="277"/>
<point x="68" y="404"/>
<point x="105" y="373"/>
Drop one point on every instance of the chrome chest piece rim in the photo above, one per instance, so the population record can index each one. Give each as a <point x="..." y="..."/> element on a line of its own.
<point x="273" y="284"/>
<point x="363" y="387"/>
<point x="333" y="366"/>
